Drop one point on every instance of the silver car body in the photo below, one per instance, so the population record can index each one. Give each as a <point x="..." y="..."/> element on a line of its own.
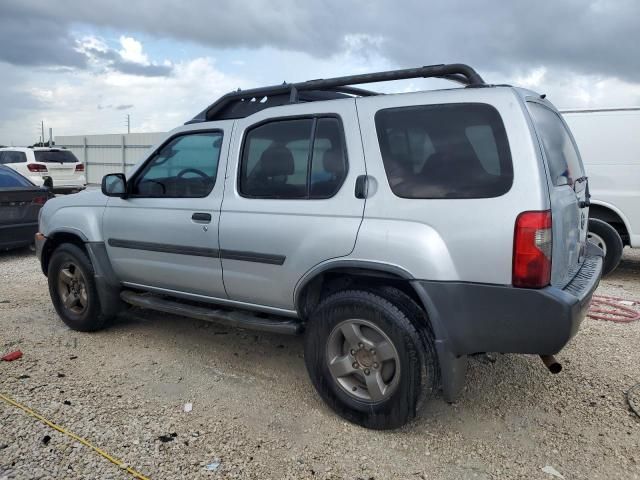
<point x="263" y="254"/>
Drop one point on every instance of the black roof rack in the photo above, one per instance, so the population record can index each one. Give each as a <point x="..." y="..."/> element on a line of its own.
<point x="242" y="103"/>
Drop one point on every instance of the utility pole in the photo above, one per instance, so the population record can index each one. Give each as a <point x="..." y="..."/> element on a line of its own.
<point x="128" y="123"/>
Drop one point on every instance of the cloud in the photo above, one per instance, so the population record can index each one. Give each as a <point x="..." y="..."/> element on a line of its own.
<point x="584" y="36"/>
<point x="28" y="38"/>
<point x="579" y="52"/>
<point x="130" y="59"/>
<point x="85" y="103"/>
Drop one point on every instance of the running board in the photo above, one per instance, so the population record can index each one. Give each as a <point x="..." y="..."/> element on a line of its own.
<point x="231" y="318"/>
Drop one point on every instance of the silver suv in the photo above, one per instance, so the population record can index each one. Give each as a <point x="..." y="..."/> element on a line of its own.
<point x="401" y="233"/>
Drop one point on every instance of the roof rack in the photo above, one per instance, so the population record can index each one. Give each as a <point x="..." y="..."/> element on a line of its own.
<point x="242" y="103"/>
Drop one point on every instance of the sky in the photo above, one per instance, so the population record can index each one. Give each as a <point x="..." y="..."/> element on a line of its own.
<point x="83" y="66"/>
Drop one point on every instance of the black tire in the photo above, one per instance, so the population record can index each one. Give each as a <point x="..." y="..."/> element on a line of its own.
<point x="417" y="364"/>
<point x="605" y="233"/>
<point x="89" y="318"/>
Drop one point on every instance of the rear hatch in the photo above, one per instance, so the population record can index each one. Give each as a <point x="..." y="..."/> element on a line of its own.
<point x="568" y="192"/>
<point x="61" y="165"/>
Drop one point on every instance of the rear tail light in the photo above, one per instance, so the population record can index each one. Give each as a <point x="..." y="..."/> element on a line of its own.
<point x="39" y="200"/>
<point x="532" y="246"/>
<point x="37" y="167"/>
<point x="80" y="167"/>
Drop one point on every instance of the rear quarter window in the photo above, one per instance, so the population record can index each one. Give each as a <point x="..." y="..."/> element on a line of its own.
<point x="445" y="151"/>
<point x="562" y="156"/>
<point x="12" y="157"/>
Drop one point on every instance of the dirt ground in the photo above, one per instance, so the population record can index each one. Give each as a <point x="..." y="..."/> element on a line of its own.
<point x="256" y="413"/>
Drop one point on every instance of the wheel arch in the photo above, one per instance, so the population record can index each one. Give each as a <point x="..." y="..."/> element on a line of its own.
<point x="334" y="275"/>
<point x="310" y="289"/>
<point x="613" y="216"/>
<point x="57" y="238"/>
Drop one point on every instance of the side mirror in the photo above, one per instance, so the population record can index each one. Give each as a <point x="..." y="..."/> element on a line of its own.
<point x="114" y="185"/>
<point x="47" y="182"/>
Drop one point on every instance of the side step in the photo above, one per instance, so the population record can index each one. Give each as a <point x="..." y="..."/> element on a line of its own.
<point x="231" y="318"/>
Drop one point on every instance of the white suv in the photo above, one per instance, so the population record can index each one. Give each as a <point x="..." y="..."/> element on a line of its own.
<point x="37" y="163"/>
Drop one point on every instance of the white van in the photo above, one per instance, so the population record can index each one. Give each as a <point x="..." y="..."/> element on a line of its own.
<point x="609" y="142"/>
<point x="37" y="163"/>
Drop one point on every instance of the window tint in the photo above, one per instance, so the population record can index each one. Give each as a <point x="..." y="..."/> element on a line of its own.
<point x="55" y="156"/>
<point x="445" y="151"/>
<point x="276" y="158"/>
<point x="185" y="167"/>
<point x="562" y="157"/>
<point x="12" y="157"/>
<point x="11" y="179"/>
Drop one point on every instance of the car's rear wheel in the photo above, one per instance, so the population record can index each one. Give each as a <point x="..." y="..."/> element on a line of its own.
<point x="367" y="360"/>
<point x="608" y="239"/>
<point x="73" y="290"/>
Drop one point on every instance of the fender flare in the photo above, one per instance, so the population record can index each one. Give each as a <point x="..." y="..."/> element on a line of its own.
<point x="452" y="367"/>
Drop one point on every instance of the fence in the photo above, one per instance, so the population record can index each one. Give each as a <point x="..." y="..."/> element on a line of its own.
<point x="102" y="154"/>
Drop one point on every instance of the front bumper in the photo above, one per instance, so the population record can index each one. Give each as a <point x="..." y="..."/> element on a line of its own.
<point x="476" y="318"/>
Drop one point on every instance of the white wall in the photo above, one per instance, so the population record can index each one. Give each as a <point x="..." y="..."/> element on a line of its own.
<point x="111" y="153"/>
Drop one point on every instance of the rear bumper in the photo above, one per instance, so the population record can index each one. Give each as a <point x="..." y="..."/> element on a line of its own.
<point x="494" y="318"/>
<point x="12" y="236"/>
<point x="61" y="185"/>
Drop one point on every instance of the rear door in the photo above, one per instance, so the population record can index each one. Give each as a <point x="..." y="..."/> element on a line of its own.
<point x="61" y="165"/>
<point x="568" y="191"/>
<point x="289" y="201"/>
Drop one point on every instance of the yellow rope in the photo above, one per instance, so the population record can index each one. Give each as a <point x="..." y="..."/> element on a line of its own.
<point x="119" y="463"/>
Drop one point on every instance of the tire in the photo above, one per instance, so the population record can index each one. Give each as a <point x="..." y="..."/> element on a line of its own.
<point x="607" y="238"/>
<point x="69" y="263"/>
<point x="399" y="371"/>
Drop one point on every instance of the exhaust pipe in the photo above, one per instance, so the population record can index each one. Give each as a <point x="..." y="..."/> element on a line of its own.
<point x="551" y="363"/>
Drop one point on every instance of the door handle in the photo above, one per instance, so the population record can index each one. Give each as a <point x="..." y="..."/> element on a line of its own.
<point x="201" y="217"/>
<point x="361" y="187"/>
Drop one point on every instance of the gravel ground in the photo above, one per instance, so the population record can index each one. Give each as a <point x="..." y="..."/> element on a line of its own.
<point x="256" y="413"/>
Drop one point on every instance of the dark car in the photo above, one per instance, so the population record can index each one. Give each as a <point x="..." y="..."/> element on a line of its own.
<point x="20" y="202"/>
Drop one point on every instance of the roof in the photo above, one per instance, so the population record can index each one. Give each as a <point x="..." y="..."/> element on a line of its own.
<point x="33" y="149"/>
<point x="242" y="103"/>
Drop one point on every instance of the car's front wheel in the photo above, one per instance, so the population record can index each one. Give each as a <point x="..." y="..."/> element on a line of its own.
<point x="73" y="289"/>
<point x="367" y="360"/>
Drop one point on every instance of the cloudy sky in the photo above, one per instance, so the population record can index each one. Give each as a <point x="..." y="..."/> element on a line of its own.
<point x="81" y="66"/>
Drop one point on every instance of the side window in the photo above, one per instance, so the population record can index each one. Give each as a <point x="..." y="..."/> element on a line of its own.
<point x="329" y="162"/>
<point x="186" y="167"/>
<point x="293" y="159"/>
<point x="13" y="157"/>
<point x="562" y="157"/>
<point x="445" y="151"/>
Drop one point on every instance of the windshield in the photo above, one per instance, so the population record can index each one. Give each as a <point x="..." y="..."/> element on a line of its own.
<point x="563" y="160"/>
<point x="55" y="156"/>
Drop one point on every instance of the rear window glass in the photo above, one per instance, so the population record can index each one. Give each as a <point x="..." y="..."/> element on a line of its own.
<point x="10" y="179"/>
<point x="562" y="157"/>
<point x="12" y="157"/>
<point x="445" y="151"/>
<point x="55" y="156"/>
